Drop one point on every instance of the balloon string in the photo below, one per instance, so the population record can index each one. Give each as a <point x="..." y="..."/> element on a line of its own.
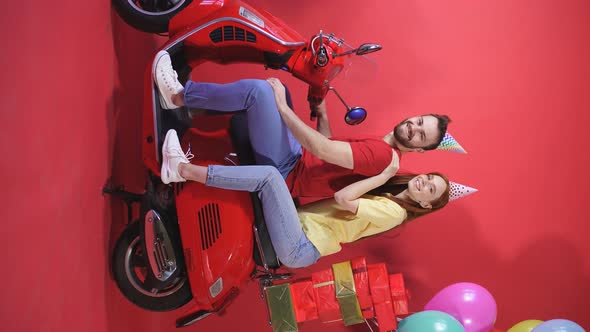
<point x="369" y="325"/>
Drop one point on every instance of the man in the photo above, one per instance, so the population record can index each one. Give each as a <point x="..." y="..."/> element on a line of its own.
<point x="313" y="164"/>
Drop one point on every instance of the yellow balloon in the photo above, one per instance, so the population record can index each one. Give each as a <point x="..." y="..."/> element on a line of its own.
<point x="525" y="325"/>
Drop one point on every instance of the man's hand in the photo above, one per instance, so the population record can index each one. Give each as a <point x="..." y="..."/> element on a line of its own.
<point x="279" y="91"/>
<point x="393" y="167"/>
<point x="333" y="152"/>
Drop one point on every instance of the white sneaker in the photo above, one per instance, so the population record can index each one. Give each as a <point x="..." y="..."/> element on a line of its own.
<point x="166" y="80"/>
<point x="172" y="156"/>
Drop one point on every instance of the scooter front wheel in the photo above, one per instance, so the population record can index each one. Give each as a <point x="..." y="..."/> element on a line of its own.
<point x="129" y="270"/>
<point x="149" y="15"/>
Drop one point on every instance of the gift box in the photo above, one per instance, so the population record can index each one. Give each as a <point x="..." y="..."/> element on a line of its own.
<point x="385" y="317"/>
<point x="399" y="294"/>
<point x="325" y="296"/>
<point x="350" y="309"/>
<point x="381" y="294"/>
<point x="282" y="315"/>
<point x="304" y="302"/>
<point x="361" y="283"/>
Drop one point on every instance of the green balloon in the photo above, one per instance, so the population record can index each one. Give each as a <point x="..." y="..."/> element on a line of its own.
<point x="525" y="325"/>
<point x="430" y="321"/>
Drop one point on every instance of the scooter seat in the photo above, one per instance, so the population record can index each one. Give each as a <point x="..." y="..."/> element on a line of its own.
<point x="241" y="142"/>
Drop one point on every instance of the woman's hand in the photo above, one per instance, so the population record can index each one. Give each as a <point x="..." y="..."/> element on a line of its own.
<point x="393" y="167"/>
<point x="279" y="91"/>
<point x="348" y="197"/>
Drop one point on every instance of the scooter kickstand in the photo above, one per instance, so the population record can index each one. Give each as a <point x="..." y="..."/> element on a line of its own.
<point x="128" y="197"/>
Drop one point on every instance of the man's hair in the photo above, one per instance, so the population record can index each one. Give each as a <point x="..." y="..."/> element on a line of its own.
<point x="443" y="122"/>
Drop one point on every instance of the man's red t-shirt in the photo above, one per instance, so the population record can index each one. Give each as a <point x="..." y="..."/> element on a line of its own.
<point x="313" y="178"/>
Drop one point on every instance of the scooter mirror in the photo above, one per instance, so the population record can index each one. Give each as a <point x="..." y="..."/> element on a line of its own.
<point x="367" y="48"/>
<point x="355" y="116"/>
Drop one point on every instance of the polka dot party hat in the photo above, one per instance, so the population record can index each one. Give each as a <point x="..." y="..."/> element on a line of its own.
<point x="458" y="190"/>
<point x="449" y="143"/>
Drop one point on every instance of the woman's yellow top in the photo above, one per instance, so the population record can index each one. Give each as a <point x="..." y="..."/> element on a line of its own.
<point x="327" y="225"/>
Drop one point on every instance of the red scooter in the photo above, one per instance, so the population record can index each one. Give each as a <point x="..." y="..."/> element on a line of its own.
<point x="194" y="246"/>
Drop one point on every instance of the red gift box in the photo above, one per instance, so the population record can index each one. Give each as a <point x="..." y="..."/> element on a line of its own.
<point x="304" y="302"/>
<point x="385" y="317"/>
<point x="381" y="294"/>
<point x="361" y="283"/>
<point x="325" y="296"/>
<point x="399" y="294"/>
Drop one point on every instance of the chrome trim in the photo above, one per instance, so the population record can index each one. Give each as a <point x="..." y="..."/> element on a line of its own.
<point x="197" y="29"/>
<point x="145" y="12"/>
<point x="216" y="287"/>
<point x="237" y="20"/>
<point x="196" y="319"/>
<point x="152" y="293"/>
<point x="260" y="251"/>
<point x="159" y="247"/>
<point x="228" y="158"/>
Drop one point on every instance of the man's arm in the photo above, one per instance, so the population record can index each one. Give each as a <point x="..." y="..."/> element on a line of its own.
<point x="334" y="152"/>
<point x="323" y="124"/>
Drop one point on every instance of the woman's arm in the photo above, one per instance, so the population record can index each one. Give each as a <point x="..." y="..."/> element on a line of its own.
<point x="348" y="197"/>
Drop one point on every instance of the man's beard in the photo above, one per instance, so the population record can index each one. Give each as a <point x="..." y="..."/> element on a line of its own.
<point x="401" y="139"/>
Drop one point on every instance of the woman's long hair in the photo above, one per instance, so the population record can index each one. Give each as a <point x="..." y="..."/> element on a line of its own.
<point x="399" y="183"/>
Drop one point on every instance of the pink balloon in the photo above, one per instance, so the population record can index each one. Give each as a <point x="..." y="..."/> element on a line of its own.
<point x="472" y="305"/>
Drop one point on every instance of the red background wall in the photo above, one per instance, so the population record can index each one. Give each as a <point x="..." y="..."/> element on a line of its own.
<point x="514" y="76"/>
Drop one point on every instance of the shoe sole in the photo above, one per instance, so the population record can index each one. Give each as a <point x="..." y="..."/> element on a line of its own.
<point x="162" y="169"/>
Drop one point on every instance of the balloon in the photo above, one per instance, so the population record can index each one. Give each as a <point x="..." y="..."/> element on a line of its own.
<point x="496" y="330"/>
<point x="558" y="325"/>
<point x="472" y="305"/>
<point x="430" y="321"/>
<point x="525" y="325"/>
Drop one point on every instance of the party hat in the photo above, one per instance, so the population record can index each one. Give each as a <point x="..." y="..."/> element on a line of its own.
<point x="458" y="190"/>
<point x="448" y="143"/>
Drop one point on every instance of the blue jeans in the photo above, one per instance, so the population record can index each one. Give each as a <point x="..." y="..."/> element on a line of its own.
<point x="272" y="141"/>
<point x="291" y="245"/>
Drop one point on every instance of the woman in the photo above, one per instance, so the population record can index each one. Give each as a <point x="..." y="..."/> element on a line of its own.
<point x="301" y="237"/>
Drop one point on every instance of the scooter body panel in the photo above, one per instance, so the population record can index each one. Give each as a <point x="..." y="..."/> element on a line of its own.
<point x="202" y="12"/>
<point x="216" y="231"/>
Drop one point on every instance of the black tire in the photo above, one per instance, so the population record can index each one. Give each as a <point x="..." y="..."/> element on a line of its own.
<point x="172" y="298"/>
<point x="149" y="15"/>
